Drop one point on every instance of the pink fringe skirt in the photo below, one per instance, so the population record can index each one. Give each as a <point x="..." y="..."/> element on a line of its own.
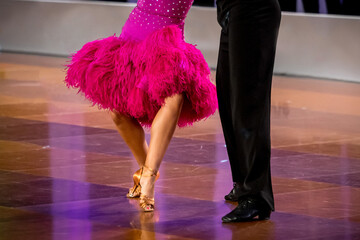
<point x="135" y="77"/>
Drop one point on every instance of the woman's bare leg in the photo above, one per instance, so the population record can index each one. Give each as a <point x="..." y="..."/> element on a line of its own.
<point x="162" y="130"/>
<point x="133" y="135"/>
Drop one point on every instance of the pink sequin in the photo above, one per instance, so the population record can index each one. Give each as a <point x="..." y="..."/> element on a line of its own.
<point x="152" y="15"/>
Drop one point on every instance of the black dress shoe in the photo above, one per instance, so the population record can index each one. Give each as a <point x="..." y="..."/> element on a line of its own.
<point x="249" y="209"/>
<point x="234" y="194"/>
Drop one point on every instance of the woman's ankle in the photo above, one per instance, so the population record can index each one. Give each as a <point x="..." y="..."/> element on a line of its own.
<point x="148" y="185"/>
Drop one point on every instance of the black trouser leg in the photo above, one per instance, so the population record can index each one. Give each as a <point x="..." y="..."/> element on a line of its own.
<point x="222" y="87"/>
<point x="244" y="76"/>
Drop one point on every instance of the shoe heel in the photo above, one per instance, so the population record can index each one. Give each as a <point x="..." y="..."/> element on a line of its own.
<point x="265" y="215"/>
<point x="136" y="177"/>
<point x="134" y="192"/>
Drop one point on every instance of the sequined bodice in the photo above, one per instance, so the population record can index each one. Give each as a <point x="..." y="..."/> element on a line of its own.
<point x="151" y="15"/>
<point x="168" y="8"/>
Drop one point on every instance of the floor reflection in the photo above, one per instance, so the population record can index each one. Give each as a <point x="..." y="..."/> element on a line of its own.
<point x="61" y="191"/>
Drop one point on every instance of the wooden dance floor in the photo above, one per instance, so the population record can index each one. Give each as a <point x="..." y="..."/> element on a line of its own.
<point x="64" y="170"/>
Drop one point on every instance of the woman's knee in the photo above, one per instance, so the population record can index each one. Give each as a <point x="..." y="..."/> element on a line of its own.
<point x="118" y="118"/>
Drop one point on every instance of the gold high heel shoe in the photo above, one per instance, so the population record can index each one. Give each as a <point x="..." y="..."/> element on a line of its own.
<point x="147" y="203"/>
<point x="135" y="191"/>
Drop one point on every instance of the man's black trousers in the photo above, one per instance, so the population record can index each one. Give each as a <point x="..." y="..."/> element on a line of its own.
<point x="243" y="81"/>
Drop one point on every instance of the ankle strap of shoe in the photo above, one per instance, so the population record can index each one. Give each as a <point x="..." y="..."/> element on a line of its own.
<point x="153" y="172"/>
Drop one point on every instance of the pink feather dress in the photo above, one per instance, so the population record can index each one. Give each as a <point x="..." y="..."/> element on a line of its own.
<point x="150" y="61"/>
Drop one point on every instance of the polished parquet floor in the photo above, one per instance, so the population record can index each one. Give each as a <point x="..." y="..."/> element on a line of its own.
<point x="64" y="170"/>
